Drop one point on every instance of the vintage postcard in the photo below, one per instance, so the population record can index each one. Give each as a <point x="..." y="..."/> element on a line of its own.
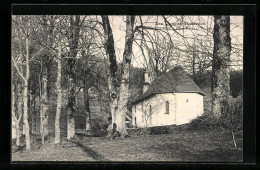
<point x="111" y="88"/>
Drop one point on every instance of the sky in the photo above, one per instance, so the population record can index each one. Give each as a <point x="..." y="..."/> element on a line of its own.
<point x="178" y="22"/>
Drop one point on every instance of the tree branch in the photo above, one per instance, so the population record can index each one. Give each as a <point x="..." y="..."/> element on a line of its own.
<point x="19" y="72"/>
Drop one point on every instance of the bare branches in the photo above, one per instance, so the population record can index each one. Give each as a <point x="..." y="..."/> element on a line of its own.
<point x="18" y="70"/>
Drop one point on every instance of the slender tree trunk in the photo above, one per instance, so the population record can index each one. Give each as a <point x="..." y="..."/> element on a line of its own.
<point x="40" y="102"/>
<point x="59" y="98"/>
<point x="71" y="110"/>
<point x="19" y="113"/>
<point x="41" y="125"/>
<point x="220" y="66"/>
<point x="30" y="110"/>
<point x="13" y="108"/>
<point x="33" y="117"/>
<point x="87" y="110"/>
<point x="44" y="100"/>
<point x="25" y="98"/>
<point x="15" y="116"/>
<point x="17" y="126"/>
<point x="44" y="106"/>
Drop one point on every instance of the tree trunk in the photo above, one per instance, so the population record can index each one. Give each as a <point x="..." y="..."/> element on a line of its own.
<point x="44" y="107"/>
<point x="112" y="71"/>
<point x="13" y="109"/>
<point x="17" y="126"/>
<point x="17" y="120"/>
<point x="15" y="116"/>
<point x="19" y="112"/>
<point x="48" y="28"/>
<point x="30" y="110"/>
<point x="25" y="98"/>
<point x="87" y="110"/>
<point x="124" y="86"/>
<point x="33" y="118"/>
<point x="220" y="66"/>
<point x="41" y="124"/>
<point x="71" y="110"/>
<point x="73" y="44"/>
<point x="59" y="98"/>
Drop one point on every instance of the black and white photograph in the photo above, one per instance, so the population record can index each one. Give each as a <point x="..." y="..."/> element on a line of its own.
<point x="111" y="88"/>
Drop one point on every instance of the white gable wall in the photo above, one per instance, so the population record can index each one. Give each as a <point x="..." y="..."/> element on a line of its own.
<point x="180" y="111"/>
<point x="189" y="106"/>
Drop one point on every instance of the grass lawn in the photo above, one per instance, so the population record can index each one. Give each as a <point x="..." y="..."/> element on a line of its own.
<point x="180" y="145"/>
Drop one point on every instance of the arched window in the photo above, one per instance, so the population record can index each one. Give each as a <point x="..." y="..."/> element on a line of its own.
<point x="167" y="107"/>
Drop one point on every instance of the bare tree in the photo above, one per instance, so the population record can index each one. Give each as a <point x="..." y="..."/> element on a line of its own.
<point x="112" y="71"/>
<point x="25" y="77"/>
<point x="59" y="98"/>
<point x="119" y="102"/>
<point x="124" y="85"/>
<point x="73" y="37"/>
<point x="47" y="23"/>
<point x="16" y="113"/>
<point x="17" y="92"/>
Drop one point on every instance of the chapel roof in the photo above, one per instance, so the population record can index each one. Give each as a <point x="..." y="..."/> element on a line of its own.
<point x="174" y="81"/>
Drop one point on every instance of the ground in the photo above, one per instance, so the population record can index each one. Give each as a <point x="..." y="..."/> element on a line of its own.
<point x="181" y="145"/>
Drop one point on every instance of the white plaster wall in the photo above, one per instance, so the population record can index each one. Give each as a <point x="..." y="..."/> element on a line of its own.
<point x="158" y="116"/>
<point x="180" y="110"/>
<point x="189" y="106"/>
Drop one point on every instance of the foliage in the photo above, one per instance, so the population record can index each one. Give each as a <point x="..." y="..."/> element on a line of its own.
<point x="236" y="83"/>
<point x="231" y="121"/>
<point x="156" y="130"/>
<point x="159" y="130"/>
<point x="234" y="118"/>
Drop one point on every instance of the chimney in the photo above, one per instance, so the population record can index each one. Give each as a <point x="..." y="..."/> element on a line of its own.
<point x="148" y="78"/>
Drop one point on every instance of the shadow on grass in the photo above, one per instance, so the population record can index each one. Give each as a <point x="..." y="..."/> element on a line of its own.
<point x="182" y="152"/>
<point x="220" y="154"/>
<point x="90" y="152"/>
<point x="18" y="148"/>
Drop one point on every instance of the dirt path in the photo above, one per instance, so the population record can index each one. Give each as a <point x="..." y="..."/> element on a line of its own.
<point x="67" y="151"/>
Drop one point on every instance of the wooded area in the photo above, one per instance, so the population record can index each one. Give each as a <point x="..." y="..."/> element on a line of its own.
<point x="56" y="58"/>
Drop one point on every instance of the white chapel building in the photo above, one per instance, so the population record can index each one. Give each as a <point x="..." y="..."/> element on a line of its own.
<point x="172" y="98"/>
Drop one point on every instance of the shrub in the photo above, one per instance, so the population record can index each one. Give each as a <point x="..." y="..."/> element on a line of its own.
<point x="234" y="118"/>
<point x="100" y="133"/>
<point x="149" y="130"/>
<point x="203" y="122"/>
<point x="95" y="125"/>
<point x="159" y="130"/>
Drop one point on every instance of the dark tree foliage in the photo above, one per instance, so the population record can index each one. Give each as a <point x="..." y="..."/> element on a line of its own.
<point x="236" y="83"/>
